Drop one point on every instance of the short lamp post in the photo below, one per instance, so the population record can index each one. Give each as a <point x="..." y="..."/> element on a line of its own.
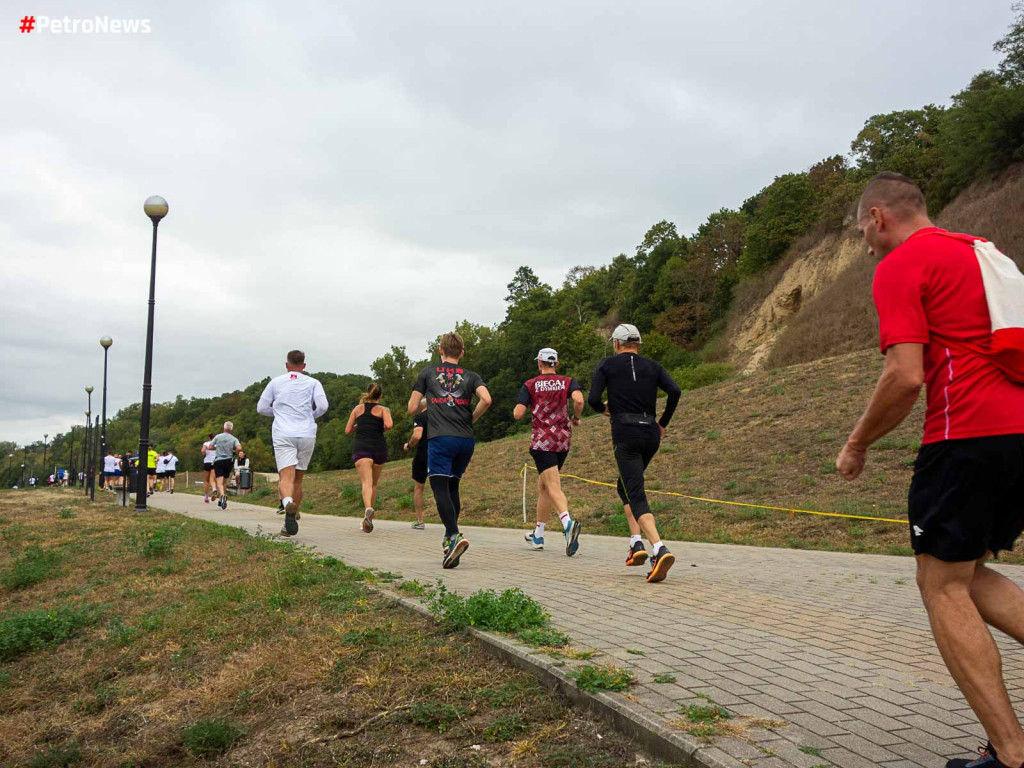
<point x="105" y="342"/>
<point x="156" y="208"/>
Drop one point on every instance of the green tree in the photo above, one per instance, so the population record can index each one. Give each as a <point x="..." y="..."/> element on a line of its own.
<point x="784" y="210"/>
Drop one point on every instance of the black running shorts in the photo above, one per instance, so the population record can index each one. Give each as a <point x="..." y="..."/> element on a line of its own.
<point x="545" y="460"/>
<point x="151" y="471"/>
<point x="967" y="497"/>
<point x="419" y="467"/>
<point x="207" y="466"/>
<point x="223" y="467"/>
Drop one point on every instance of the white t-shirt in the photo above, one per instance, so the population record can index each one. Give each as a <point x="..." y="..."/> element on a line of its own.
<point x="211" y="454"/>
<point x="160" y="464"/>
<point x="110" y="463"/>
<point x="171" y="463"/>
<point x="294" y="400"/>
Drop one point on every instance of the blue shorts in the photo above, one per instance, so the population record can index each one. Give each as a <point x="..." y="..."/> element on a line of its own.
<point x="449" y="456"/>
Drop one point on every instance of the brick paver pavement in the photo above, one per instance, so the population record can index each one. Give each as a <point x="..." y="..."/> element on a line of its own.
<point x="835" y="645"/>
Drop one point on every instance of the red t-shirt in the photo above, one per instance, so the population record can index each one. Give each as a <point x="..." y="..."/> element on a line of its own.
<point x="929" y="291"/>
<point x="547" y="397"/>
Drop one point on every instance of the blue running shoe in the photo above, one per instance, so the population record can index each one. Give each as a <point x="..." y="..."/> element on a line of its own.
<point x="534" y="541"/>
<point x="572" y="538"/>
<point x="988" y="759"/>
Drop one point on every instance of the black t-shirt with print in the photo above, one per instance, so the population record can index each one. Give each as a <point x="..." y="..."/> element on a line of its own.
<point x="449" y="390"/>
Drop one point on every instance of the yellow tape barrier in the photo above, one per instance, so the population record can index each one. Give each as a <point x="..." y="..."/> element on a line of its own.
<point x="732" y="503"/>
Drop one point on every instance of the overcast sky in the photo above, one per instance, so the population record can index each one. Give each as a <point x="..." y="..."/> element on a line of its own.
<point x="347" y="176"/>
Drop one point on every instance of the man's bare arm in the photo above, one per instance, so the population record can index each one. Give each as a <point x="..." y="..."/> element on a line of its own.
<point x="892" y="401"/>
<point x="483" y="402"/>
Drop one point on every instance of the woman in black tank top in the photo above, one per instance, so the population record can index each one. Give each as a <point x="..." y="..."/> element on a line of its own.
<point x="369" y="421"/>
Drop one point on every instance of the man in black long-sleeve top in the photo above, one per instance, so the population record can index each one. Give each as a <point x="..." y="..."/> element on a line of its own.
<point x="633" y="382"/>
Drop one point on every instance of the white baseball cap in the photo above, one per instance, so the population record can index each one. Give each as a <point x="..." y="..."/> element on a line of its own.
<point x="548" y="355"/>
<point x="626" y="332"/>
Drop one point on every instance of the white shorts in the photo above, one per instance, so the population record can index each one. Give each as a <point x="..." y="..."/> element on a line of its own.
<point x="293" y="452"/>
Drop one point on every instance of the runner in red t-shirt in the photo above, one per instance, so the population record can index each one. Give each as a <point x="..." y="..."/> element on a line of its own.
<point x="965" y="497"/>
<point x="547" y="398"/>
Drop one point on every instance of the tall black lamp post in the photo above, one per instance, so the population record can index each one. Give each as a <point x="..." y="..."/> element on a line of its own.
<point x="10" y="466"/>
<point x="156" y="208"/>
<point x="105" y="342"/>
<point x="22" y="475"/>
<point x="87" y="452"/>
<point x="45" y="438"/>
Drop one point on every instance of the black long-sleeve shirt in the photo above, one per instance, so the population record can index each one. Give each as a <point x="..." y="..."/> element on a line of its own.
<point x="632" y="382"/>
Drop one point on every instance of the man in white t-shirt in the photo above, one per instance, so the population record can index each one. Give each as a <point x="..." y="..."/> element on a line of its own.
<point x="170" y="469"/>
<point x="208" y="454"/>
<point x="294" y="400"/>
<point x="111" y="469"/>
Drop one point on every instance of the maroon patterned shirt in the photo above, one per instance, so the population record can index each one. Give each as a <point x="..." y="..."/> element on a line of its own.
<point x="547" y="397"/>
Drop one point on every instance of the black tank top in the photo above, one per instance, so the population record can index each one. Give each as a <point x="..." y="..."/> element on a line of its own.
<point x="370" y="431"/>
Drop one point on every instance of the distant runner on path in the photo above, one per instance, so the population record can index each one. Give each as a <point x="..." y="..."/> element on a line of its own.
<point x="209" y="482"/>
<point x="547" y="397"/>
<point x="294" y="401"/>
<point x="225" y="446"/>
<point x="418" y="440"/>
<point x="965" y="496"/>
<point x="369" y="421"/>
<point x="170" y="469"/>
<point x="633" y="382"/>
<point x="448" y="389"/>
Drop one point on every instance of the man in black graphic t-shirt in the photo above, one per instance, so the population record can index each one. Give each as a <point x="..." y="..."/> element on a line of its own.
<point x="448" y="389"/>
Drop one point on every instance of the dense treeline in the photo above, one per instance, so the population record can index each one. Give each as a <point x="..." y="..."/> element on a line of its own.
<point x="676" y="288"/>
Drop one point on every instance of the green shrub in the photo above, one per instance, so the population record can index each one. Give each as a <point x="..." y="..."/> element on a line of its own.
<point x="705" y="715"/>
<point x="28" y="631"/>
<point x="505" y="728"/>
<point x="66" y="514"/>
<point x="701" y="375"/>
<point x="435" y="715"/>
<point x="549" y="638"/>
<point x="34" y="565"/>
<point x="594" y="678"/>
<point x="157" y="542"/>
<point x="351" y="492"/>
<point x="60" y="756"/>
<point x="511" y="611"/>
<point x="404" y="501"/>
<point x="209" y="738"/>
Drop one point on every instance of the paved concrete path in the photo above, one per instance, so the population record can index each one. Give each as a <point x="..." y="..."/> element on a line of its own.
<point x="836" y="645"/>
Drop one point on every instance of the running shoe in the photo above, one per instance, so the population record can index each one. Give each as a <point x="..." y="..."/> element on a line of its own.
<point x="291" y="526"/>
<point x="637" y="554"/>
<point x="535" y="542"/>
<point x="223" y="501"/>
<point x="291" y="508"/>
<point x="419" y="526"/>
<point x="368" y="521"/>
<point x="280" y="507"/>
<point x="206" y="499"/>
<point x="987" y="760"/>
<point x="457" y="546"/>
<point x="660" y="564"/>
<point x="572" y="538"/>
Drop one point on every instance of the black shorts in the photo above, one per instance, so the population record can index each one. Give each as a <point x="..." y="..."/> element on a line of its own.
<point x="419" y="467"/>
<point x="161" y="475"/>
<point x="151" y="471"/>
<point x="632" y="457"/>
<point x="170" y="473"/>
<point x="545" y="460"/>
<point x="223" y="467"/>
<point x="967" y="497"/>
<point x="207" y="466"/>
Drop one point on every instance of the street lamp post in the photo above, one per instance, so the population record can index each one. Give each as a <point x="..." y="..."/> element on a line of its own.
<point x="45" y="438"/>
<point x="22" y="475"/>
<point x="85" y="453"/>
<point x="10" y="465"/>
<point x="105" y="342"/>
<point x="95" y="450"/>
<point x="88" y="441"/>
<point x="156" y="208"/>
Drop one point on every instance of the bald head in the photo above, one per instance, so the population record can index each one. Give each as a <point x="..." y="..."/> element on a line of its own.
<point x="895" y="193"/>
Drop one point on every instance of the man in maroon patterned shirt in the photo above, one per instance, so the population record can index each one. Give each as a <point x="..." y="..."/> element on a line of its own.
<point x="547" y="397"/>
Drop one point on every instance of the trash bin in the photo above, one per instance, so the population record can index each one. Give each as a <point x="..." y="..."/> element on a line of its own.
<point x="245" y="479"/>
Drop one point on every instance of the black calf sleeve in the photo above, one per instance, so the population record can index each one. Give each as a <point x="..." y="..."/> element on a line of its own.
<point x="446" y="508"/>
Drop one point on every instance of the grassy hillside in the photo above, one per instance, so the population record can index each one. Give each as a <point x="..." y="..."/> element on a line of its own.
<point x="769" y="438"/>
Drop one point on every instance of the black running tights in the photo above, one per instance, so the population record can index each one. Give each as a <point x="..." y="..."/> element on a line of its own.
<point x="449" y="504"/>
